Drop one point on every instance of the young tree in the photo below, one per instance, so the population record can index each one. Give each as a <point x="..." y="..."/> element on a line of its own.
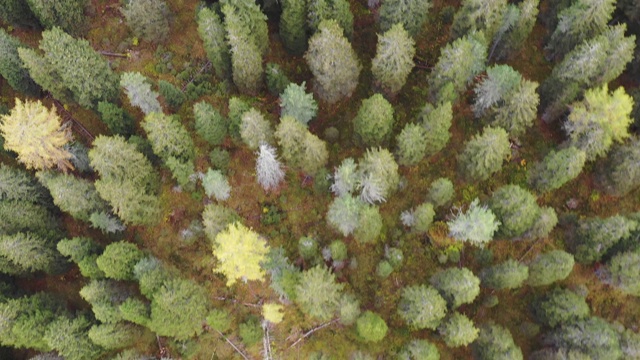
<point x="495" y="343"/>
<point x="544" y="224"/>
<point x="560" y="306"/>
<point x="114" y="336"/>
<point x="268" y="168"/>
<point x="457" y="286"/>
<point x="550" y="267"/>
<point x="458" y="64"/>
<point x="595" y="236"/>
<point x="344" y="214"/>
<point x="11" y="67"/>
<point x="318" y="293"/>
<point x="300" y="148"/>
<point x="371" y="327"/>
<point x="476" y="226"/>
<point x="216" y="218"/>
<point x="69" y="337"/>
<point x="369" y="225"/>
<point x="436" y="122"/>
<point x="71" y="66"/>
<point x="211" y="30"/>
<point x="65" y="14"/>
<point x="478" y="15"/>
<point x="173" y="96"/>
<point x="410" y="14"/>
<point x="458" y="330"/>
<point x="419" y="349"/>
<point x="583" y="20"/>
<point x="374" y="121"/>
<point x="148" y="19"/>
<point x="168" y="138"/>
<point x="394" y="56"/>
<point x="277" y="79"/>
<point x="379" y="176"/>
<point x="293" y="26"/>
<point x="593" y="337"/>
<point x="510" y="274"/>
<point x="138" y="90"/>
<point x="216" y="185"/>
<point x="209" y="123"/>
<point x="255" y="129"/>
<point x="484" y="154"/>
<point x="345" y="178"/>
<point x="295" y="102"/>
<point x="557" y="169"/>
<point x="624" y="272"/>
<point x="179" y="309"/>
<point x="419" y="219"/>
<point x="118" y="259"/>
<point x="84" y="252"/>
<point x="36" y="134"/>
<point x="334" y="10"/>
<point x="440" y="192"/>
<point x="116" y="119"/>
<point x="599" y="120"/>
<point x="412" y="144"/>
<point x="622" y="173"/>
<point x="240" y="251"/>
<point x="421" y="307"/>
<point x="333" y="62"/>
<point x="516" y="209"/>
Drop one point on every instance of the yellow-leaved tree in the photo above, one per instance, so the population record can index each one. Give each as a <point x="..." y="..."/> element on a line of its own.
<point x="36" y="134"/>
<point x="240" y="251"/>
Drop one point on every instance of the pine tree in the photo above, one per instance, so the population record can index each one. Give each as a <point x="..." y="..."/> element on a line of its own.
<point x="255" y="129"/>
<point x="557" y="169"/>
<point x="333" y="62"/>
<point x="560" y="306"/>
<point x="148" y="19"/>
<point x="495" y="342"/>
<point x="411" y="14"/>
<point x="583" y="20"/>
<point x="550" y="267"/>
<point x="516" y="209"/>
<point x="296" y="102"/>
<point x="394" y="57"/>
<point x="599" y="120"/>
<point x="36" y="134"/>
<point x="118" y="259"/>
<point x="336" y="10"/>
<point x="240" y="251"/>
<point x="458" y="64"/>
<point x="293" y="26"/>
<point x="379" y="176"/>
<point x="211" y="30"/>
<point x="300" y="148"/>
<point x="594" y="237"/>
<point x="421" y="307"/>
<point x="11" y="67"/>
<point x="318" y="293"/>
<point x="477" y="225"/>
<point x="456" y="286"/>
<point x="268" y="168"/>
<point x="484" y="154"/>
<point x="138" y="90"/>
<point x="478" y="15"/>
<point x="65" y="14"/>
<point x="179" y="309"/>
<point x="458" y="330"/>
<point x="622" y="172"/>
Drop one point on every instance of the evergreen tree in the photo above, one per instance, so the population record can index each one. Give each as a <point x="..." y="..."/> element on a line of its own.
<point x="495" y="343"/>
<point x="394" y="56"/>
<point x="11" y="67"/>
<point x="484" y="154"/>
<point x="255" y="129"/>
<point x="458" y="330"/>
<point x="17" y="13"/>
<point x="560" y="306"/>
<point x="84" y="252"/>
<point x="118" y="259"/>
<point x="440" y="192"/>
<point x="345" y="178"/>
<point x="476" y="226"/>
<point x="216" y="185"/>
<point x="69" y="337"/>
<point x="293" y="29"/>
<point x="151" y="274"/>
<point x="237" y="107"/>
<point x="116" y="119"/>
<point x="210" y="124"/>
<point x="28" y="252"/>
<point x="105" y="297"/>
<point x="65" y="14"/>
<point x="421" y="307"/>
<point x="378" y="175"/>
<point x="212" y="32"/>
<point x="178" y="309"/>
<point x="374" y="121"/>
<point x="622" y="172"/>
<point x="412" y="144"/>
<point x="371" y="327"/>
<point x="25" y="320"/>
<point x="277" y="79"/>
<point x="458" y="64"/>
<point x="457" y="286"/>
<point x="595" y="236"/>
<point x="436" y="122"/>
<point x="295" y="102"/>
<point x="300" y="148"/>
<point x="127" y="179"/>
<point x="411" y="14"/>
<point x="369" y="225"/>
<point x="318" y="293"/>
<point x="478" y="15"/>
<point x="268" y="168"/>
<point x="36" y="134"/>
<point x="599" y="120"/>
<point x="216" y="218"/>
<point x="624" y="272"/>
<point x="173" y="96"/>
<point x="135" y="311"/>
<point x="516" y="26"/>
<point x="593" y="337"/>
<point x="252" y="20"/>
<point x="18" y="185"/>
<point x="333" y="62"/>
<point x="21" y="216"/>
<point x="419" y="219"/>
<point x="240" y="251"/>
<point x="419" y="349"/>
<point x="71" y="66"/>
<point x="138" y="90"/>
<point x="557" y="169"/>
<point x="344" y="214"/>
<point x="510" y="274"/>
<point x="148" y="19"/>
<point x="583" y="20"/>
<point x="114" y="336"/>
<point x="516" y="209"/>
<point x="550" y="267"/>
<point x="335" y="10"/>
<point x="544" y="224"/>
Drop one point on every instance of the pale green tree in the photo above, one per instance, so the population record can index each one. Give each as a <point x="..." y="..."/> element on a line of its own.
<point x="476" y="226"/>
<point x="216" y="184"/>
<point x="255" y="129"/>
<point x="484" y="154"/>
<point x="394" y="57"/>
<point x="371" y="327"/>
<point x="458" y="330"/>
<point x="300" y="148"/>
<point x="240" y="251"/>
<point x="593" y="336"/>
<point x="421" y="307"/>
<point x="515" y="208"/>
<point x="550" y="267"/>
<point x="148" y="19"/>
<point x="178" y="309"/>
<point x="211" y="30"/>
<point x="457" y="286"/>
<point x="510" y="274"/>
<point x="344" y="214"/>
<point x="379" y="175"/>
<point x="336" y="10"/>
<point x="118" y="259"/>
<point x="28" y="252"/>
<point x="138" y="90"/>
<point x="594" y="237"/>
<point x="495" y="342"/>
<point x="624" y="272"/>
<point x="69" y="337"/>
<point x="556" y="169"/>
<point x="296" y="102"/>
<point x="412" y="144"/>
<point x="374" y="121"/>
<point x="318" y="293"/>
<point x="516" y="26"/>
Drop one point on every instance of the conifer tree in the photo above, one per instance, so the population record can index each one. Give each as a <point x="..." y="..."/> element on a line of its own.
<point x="18" y="185"/>
<point x="516" y="209"/>
<point x="421" y="307"/>
<point x="240" y="251"/>
<point x="411" y="14"/>
<point x="212" y="32"/>
<point x="436" y="122"/>
<point x="478" y="15"/>
<point x="374" y="121"/>
<point x="69" y="337"/>
<point x="318" y="293"/>
<point x="65" y="14"/>
<point x="173" y="96"/>
<point x="300" y="148"/>
<point x="333" y="62"/>
<point x="345" y="178"/>
<point x="252" y="20"/>
<point x="419" y="349"/>
<point x="105" y="297"/>
<point x="369" y="225"/>
<point x="595" y="236"/>
<point x="22" y="216"/>
<point x="116" y="119"/>
<point x="371" y="327"/>
<point x="622" y="173"/>
<point x="25" y="320"/>
<point x="509" y="274"/>
<point x="394" y="57"/>
<point x="624" y="272"/>
<point x="138" y="90"/>
<point x="151" y="274"/>
<point x="477" y="225"/>
<point x="516" y="26"/>
<point x="293" y="26"/>
<point x="379" y="176"/>
<point x="336" y="10"/>
<point x="458" y="330"/>
<point x="255" y="129"/>
<point x="599" y="120"/>
<point x="17" y="13"/>
<point x="118" y="259"/>
<point x="84" y="252"/>
<point x="440" y="192"/>
<point x="593" y="337"/>
<point x="550" y="267"/>
<point x="148" y="19"/>
<point x="556" y="169"/>
<point x="495" y="342"/>
<point x="268" y="168"/>
<point x="209" y="123"/>
<point x="484" y="154"/>
<point x="28" y="252"/>
<point x="11" y="67"/>
<point x="216" y="218"/>
<point x="296" y="102"/>
<point x="277" y="79"/>
<point x="412" y="144"/>
<point x="114" y="336"/>
<point x="216" y="185"/>
<point x="36" y="134"/>
<point x="178" y="309"/>
<point x="344" y="214"/>
<point x="456" y="286"/>
<point x="560" y="306"/>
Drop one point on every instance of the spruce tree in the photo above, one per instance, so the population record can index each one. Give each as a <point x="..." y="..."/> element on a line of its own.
<point x="477" y="225"/>
<point x="594" y="237"/>
<point x="318" y="293"/>
<point x="11" y="67"/>
<point x="216" y="218"/>
<point x="115" y="336"/>
<point x="17" y="13"/>
<point x="118" y="259"/>
<point x="269" y="170"/>
<point x="593" y="337"/>
<point x="333" y="62"/>
<point x="622" y="173"/>
<point x="277" y="79"/>
<point x="116" y="119"/>
<point x="148" y="19"/>
<point x="216" y="185"/>
<point x="336" y="10"/>
<point x="410" y="14"/>
<point x="25" y="320"/>
<point x="412" y="144"/>
<point x="374" y="121"/>
<point x="300" y="148"/>
<point x="436" y="122"/>
<point x="516" y="26"/>
<point x="209" y="123"/>
<point x="495" y="342"/>
<point x="255" y="129"/>
<point x="624" y="272"/>
<point x="560" y="306"/>
<point x="458" y="330"/>
<point x="65" y="14"/>
<point x="421" y="307"/>
<point x="212" y="32"/>
<point x="173" y="96"/>
<point x="18" y="185"/>
<point x="478" y="15"/>
<point x="28" y="252"/>
<point x="484" y="154"/>
<point x="369" y="225"/>
<point x="179" y="309"/>
<point x="293" y="26"/>
<point x="138" y="90"/>
<point x="394" y="58"/>
<point x="456" y="286"/>
<point x="556" y="169"/>
<point x="69" y="337"/>
<point x="509" y="274"/>
<point x="550" y="267"/>
<point x="379" y="176"/>
<point x="252" y="20"/>
<point x="296" y="102"/>
<point x="516" y="209"/>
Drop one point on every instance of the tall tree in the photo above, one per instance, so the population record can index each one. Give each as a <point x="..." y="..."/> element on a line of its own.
<point x="333" y="62"/>
<point x="560" y="306"/>
<point x="337" y="10"/>
<point x="255" y="129"/>
<point x="458" y="330"/>
<point x="550" y="267"/>
<point x="138" y="90"/>
<point x="211" y="30"/>
<point x="374" y="120"/>
<point x="516" y="209"/>
<point x="209" y="123"/>
<point x="25" y="320"/>
<point x="28" y="252"/>
<point x="148" y="19"/>
<point x="318" y="293"/>
<point x="509" y="274"/>
<point x="36" y="134"/>
<point x="118" y="259"/>
<point x="484" y="154"/>
<point x="17" y="13"/>
<point x="410" y="14"/>
<point x="456" y="286"/>
<point x="293" y="26"/>
<point x="594" y="237"/>
<point x="421" y="307"/>
<point x="18" y="185"/>
<point x="495" y="343"/>
<point x="65" y="14"/>
<point x="268" y="168"/>
<point x="300" y="148"/>
<point x="11" y="67"/>
<point x="296" y="102"/>
<point x="477" y="225"/>
<point x="394" y="58"/>
<point x="179" y="309"/>
<point x="622" y="173"/>
<point x="478" y="15"/>
<point x="593" y="337"/>
<point x="515" y="27"/>
<point x="556" y="169"/>
<point x="69" y="337"/>
<point x="240" y="251"/>
<point x="624" y="272"/>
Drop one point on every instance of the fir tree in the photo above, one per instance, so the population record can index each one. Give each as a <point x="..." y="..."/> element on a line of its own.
<point x="211" y="30"/>
<point x="595" y="236"/>
<point x="114" y="336"/>
<point x="560" y="306"/>
<point x="516" y="209"/>
<point x="624" y="272"/>
<point x="550" y="267"/>
<point x="419" y="349"/>
<point x="458" y="330"/>
<point x="478" y="15"/>
<point x="209" y="123"/>
<point x="173" y="96"/>
<point x="151" y="274"/>
<point x="421" y="307"/>
<point x="216" y="185"/>
<point x="557" y="169"/>
<point x="65" y="14"/>
<point x="277" y="79"/>
<point x="622" y="172"/>
<point x="294" y="101"/>
<point x="22" y="216"/>
<point x="84" y="252"/>
<point x="237" y="107"/>
<point x="18" y="185"/>
<point x="300" y="148"/>
<point x="240" y="251"/>
<point x="216" y="218"/>
<point x="374" y="121"/>
<point x="17" y="13"/>
<point x="593" y="337"/>
<point x="28" y="252"/>
<point x="105" y="297"/>
<point x="333" y="62"/>
<point x="116" y="119"/>
<point x="516" y="26"/>
<point x="318" y="293"/>
<point x="25" y="320"/>
<point x="148" y="19"/>
<point x="11" y="67"/>
<point x="477" y="225"/>
<point x="440" y="192"/>
<point x="268" y="168"/>
<point x="336" y="10"/>
<point x="345" y="178"/>
<point x="394" y="57"/>
<point x="457" y="286"/>
<point x="495" y="342"/>
<point x="411" y="14"/>
<point x="369" y="225"/>
<point x="484" y="154"/>
<point x="118" y="259"/>
<point x="412" y="144"/>
<point x="138" y="90"/>
<point x="168" y="137"/>
<point x="510" y="274"/>
<point x="293" y="27"/>
<point x="436" y="122"/>
<point x="379" y="176"/>
<point x="252" y="20"/>
<point x="178" y="309"/>
<point x="255" y="129"/>
<point x="69" y="337"/>
<point x="344" y="214"/>
<point x="371" y="327"/>
<point x="44" y="74"/>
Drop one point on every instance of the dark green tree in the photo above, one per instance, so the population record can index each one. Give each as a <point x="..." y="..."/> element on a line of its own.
<point x="277" y="79"/>
<point x="148" y="19"/>
<point x="478" y="15"/>
<point x="17" y="13"/>
<point x="18" y="185"/>
<point x="105" y="297"/>
<point x="65" y="14"/>
<point x="592" y="336"/>
<point x="178" y="309"/>
<point x="28" y="252"/>
<point x="246" y="57"/>
<point x="69" y="337"/>
<point x="560" y="306"/>
<point x="594" y="237"/>
<point x="293" y="26"/>
<point x="11" y="67"/>
<point x="411" y="14"/>
<point x="173" y="96"/>
<point x="209" y="123"/>
<point x="621" y="173"/>
<point x="495" y="343"/>
<point x="117" y="119"/>
<point x="515" y="27"/>
<point x="336" y="10"/>
<point x="510" y="274"/>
